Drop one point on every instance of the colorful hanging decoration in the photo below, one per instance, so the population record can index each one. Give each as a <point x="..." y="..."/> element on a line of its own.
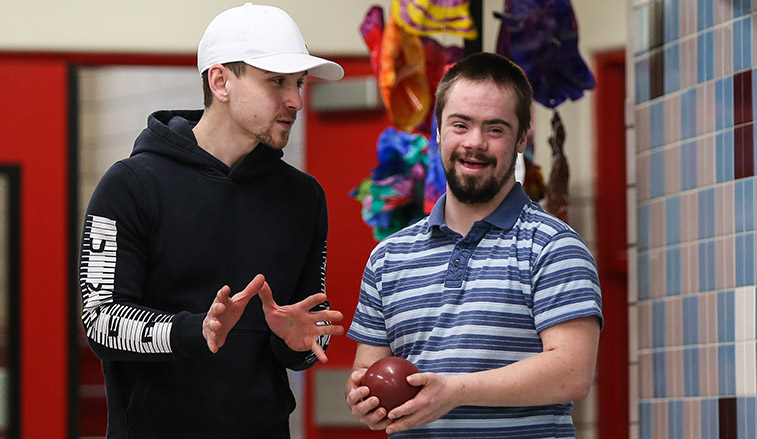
<point x="392" y="197"/>
<point x="541" y="36"/>
<point x="409" y="177"/>
<point x="402" y="77"/>
<point x="556" y="202"/>
<point x="426" y="17"/>
<point x="436" y="180"/>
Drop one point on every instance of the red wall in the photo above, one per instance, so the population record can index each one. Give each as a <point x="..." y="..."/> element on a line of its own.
<point x="35" y="137"/>
<point x="341" y="152"/>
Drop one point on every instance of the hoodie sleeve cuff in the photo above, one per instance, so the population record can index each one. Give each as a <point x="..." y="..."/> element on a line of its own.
<point x="186" y="337"/>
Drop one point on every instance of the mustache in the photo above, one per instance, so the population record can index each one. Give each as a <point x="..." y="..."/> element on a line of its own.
<point x="474" y="157"/>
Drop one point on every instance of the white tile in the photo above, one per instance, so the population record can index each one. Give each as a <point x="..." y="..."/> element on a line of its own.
<point x="631" y="156"/>
<point x="746" y="381"/>
<point x="633" y="276"/>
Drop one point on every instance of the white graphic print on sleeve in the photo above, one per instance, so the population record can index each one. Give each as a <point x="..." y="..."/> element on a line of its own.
<point x="115" y="325"/>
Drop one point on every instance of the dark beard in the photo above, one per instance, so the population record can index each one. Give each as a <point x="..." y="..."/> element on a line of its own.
<point x="467" y="191"/>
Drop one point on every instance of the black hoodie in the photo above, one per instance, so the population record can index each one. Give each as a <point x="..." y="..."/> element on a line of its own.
<point x="165" y="229"/>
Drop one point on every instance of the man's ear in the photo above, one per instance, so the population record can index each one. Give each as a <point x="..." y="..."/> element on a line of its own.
<point x="218" y="80"/>
<point x="521" y="148"/>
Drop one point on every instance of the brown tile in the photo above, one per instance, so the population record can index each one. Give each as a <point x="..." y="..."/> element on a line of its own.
<point x="743" y="151"/>
<point x="727" y="420"/>
<point x="742" y="97"/>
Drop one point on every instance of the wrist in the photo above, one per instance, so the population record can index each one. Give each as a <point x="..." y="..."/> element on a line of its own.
<point x="460" y="388"/>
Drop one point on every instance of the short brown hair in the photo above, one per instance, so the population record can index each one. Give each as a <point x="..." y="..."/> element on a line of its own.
<point x="236" y="67"/>
<point x="501" y="71"/>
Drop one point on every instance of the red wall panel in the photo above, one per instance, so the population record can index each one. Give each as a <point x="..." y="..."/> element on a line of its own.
<point x="35" y="137"/>
<point x="341" y="152"/>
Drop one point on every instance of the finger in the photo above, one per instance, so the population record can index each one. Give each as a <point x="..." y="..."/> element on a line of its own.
<point x="252" y="288"/>
<point x="328" y="316"/>
<point x="266" y="296"/>
<point x="217" y="309"/>
<point x="417" y="379"/>
<point x="212" y="346"/>
<point x="318" y="351"/>
<point x="243" y="297"/>
<point x="357" y="376"/>
<point x="330" y="330"/>
<point x="223" y="294"/>
<point x="356" y="395"/>
<point x="311" y="301"/>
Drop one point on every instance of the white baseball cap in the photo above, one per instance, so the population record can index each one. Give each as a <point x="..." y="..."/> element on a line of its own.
<point x="264" y="37"/>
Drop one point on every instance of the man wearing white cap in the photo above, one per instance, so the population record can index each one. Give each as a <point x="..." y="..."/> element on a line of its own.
<point x="205" y="206"/>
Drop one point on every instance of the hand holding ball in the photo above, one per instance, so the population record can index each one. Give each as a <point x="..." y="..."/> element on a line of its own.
<point x="387" y="380"/>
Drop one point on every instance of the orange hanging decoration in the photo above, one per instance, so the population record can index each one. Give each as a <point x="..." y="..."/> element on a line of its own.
<point x="402" y="77"/>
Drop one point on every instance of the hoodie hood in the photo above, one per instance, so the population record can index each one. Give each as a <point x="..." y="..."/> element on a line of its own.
<point x="169" y="134"/>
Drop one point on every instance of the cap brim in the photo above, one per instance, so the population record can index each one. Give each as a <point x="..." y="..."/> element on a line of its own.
<point x="299" y="62"/>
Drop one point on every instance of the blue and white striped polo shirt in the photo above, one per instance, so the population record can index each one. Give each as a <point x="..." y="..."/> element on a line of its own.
<point x="454" y="304"/>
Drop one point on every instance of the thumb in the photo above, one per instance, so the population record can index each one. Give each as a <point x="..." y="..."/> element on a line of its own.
<point x="417" y="379"/>
<point x="266" y="296"/>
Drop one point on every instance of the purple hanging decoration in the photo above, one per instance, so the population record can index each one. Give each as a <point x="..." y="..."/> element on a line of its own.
<point x="541" y="36"/>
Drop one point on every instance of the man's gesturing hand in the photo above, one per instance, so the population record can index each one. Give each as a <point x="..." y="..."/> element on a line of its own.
<point x="296" y="325"/>
<point x="225" y="312"/>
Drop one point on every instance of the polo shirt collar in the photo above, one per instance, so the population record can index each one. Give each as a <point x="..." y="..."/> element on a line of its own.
<point x="503" y="217"/>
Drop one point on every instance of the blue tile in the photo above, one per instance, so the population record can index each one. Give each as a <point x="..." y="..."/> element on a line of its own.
<point x="675" y="419"/>
<point x="657" y="125"/>
<point x="741" y="8"/>
<point x="705" y="14"/>
<point x="726" y="316"/>
<point x="707" y="277"/>
<point x="644" y="276"/>
<point x="646" y="419"/>
<point x="724" y="156"/>
<point x="705" y="57"/>
<point x="744" y="205"/>
<point x="746" y="39"/>
<point x="691" y="372"/>
<point x="672" y="14"/>
<point x="657" y="174"/>
<point x="709" y="415"/>
<point x="642" y="80"/>
<point x="724" y="103"/>
<point x="691" y="322"/>
<point x="672" y="68"/>
<point x="727" y="370"/>
<point x="660" y="372"/>
<point x="673" y="271"/>
<point x="689" y="114"/>
<point x="706" y="213"/>
<point x="689" y="166"/>
<point x="742" y="53"/>
<point x="744" y="259"/>
<point x="658" y="324"/>
<point x="746" y="417"/>
<point x="643" y="226"/>
<point x="673" y="220"/>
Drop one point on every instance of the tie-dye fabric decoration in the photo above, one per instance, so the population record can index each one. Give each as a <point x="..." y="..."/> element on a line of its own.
<point x="426" y="17"/>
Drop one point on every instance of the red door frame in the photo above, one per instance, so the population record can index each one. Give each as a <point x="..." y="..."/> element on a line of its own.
<point x="612" y="261"/>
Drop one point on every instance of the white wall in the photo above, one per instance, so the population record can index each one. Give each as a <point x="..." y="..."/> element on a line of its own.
<point x="173" y="26"/>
